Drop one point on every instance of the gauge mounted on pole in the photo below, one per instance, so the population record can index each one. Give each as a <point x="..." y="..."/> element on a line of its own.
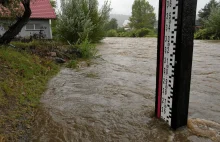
<point x="174" y="60"/>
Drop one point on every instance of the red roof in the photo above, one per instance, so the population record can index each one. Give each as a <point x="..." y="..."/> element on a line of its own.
<point x="42" y="9"/>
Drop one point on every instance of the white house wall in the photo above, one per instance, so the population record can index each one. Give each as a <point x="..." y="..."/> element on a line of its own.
<point x="46" y="29"/>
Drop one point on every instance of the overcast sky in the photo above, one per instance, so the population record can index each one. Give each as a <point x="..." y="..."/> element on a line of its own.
<point x="125" y="6"/>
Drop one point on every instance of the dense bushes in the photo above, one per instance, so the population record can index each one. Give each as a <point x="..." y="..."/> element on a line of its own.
<point x="144" y="32"/>
<point x="211" y="27"/>
<point x="112" y="33"/>
<point x="205" y="34"/>
<point x="81" y="19"/>
<point x="124" y="34"/>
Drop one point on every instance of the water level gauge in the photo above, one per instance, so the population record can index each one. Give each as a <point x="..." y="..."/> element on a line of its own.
<point x="174" y="60"/>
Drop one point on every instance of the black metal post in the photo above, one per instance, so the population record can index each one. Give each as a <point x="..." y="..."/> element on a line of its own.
<point x="174" y="60"/>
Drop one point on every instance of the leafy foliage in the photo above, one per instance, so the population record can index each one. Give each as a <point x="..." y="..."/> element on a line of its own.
<point x="81" y="19"/>
<point x="143" y="32"/>
<point x="203" y="34"/>
<point x="112" y="33"/>
<point x="87" y="49"/>
<point x="204" y="13"/>
<point x="13" y="9"/>
<point x="112" y="24"/>
<point x="53" y="3"/>
<point x="143" y="15"/>
<point x="10" y="8"/>
<point x="211" y="26"/>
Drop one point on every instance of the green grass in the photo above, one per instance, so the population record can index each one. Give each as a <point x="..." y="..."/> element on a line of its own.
<point x="36" y="43"/>
<point x="23" y="78"/>
<point x="24" y="73"/>
<point x="72" y="64"/>
<point x="151" y="36"/>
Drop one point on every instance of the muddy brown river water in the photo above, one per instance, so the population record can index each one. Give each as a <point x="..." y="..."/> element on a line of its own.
<point x="112" y="100"/>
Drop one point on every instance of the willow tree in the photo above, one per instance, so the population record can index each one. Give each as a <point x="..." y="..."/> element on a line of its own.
<point x="17" y="10"/>
<point x="212" y="24"/>
<point x="143" y="15"/>
<point x="82" y="19"/>
<point x="205" y="12"/>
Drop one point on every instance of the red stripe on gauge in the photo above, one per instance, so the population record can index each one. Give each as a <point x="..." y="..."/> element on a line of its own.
<point x="161" y="58"/>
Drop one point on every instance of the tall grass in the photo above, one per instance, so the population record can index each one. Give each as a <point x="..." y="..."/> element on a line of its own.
<point x="23" y="78"/>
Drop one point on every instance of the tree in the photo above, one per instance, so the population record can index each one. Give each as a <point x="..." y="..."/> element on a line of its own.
<point x="143" y="15"/>
<point x="112" y="24"/>
<point x="11" y="8"/>
<point x="212" y="24"/>
<point x="211" y="28"/>
<point x="205" y="12"/>
<point x="81" y="19"/>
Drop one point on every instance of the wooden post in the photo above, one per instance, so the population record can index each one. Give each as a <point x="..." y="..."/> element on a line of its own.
<point x="174" y="60"/>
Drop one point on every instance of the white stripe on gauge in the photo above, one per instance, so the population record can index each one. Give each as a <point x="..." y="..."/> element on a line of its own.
<point x="169" y="59"/>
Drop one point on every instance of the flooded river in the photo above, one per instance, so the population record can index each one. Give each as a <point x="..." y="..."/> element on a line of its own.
<point x="112" y="100"/>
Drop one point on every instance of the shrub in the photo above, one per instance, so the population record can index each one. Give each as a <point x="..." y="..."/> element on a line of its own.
<point x="79" y="21"/>
<point x="132" y="33"/>
<point x="120" y="30"/>
<point x="142" y="32"/>
<point x="205" y="34"/>
<point x="87" y="49"/>
<point x="123" y="34"/>
<point x="212" y="26"/>
<point x="112" y="33"/>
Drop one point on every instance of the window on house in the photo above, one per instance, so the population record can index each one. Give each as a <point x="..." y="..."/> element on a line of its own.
<point x="30" y="27"/>
<point x="37" y="26"/>
<point x="33" y="27"/>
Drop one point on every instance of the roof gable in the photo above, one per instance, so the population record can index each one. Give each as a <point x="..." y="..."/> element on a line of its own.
<point x="42" y="9"/>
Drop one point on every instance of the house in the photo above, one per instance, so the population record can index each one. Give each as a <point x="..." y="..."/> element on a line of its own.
<point x="39" y="23"/>
<point x="126" y="25"/>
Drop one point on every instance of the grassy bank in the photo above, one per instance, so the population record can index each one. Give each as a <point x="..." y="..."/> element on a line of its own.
<point x="23" y="78"/>
<point x="131" y="33"/>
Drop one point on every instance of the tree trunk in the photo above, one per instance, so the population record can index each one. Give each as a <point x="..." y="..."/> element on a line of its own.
<point x="16" y="28"/>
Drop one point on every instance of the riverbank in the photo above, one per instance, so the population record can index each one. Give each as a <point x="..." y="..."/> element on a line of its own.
<point x="25" y="70"/>
<point x="23" y="78"/>
<point x="113" y="98"/>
